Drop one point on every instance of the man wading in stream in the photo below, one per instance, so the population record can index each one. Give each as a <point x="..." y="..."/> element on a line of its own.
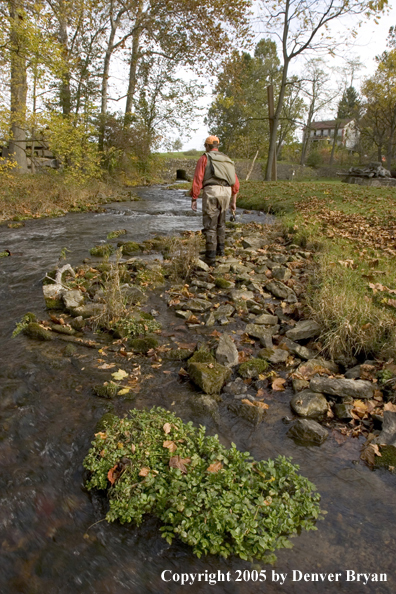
<point x="215" y="175"/>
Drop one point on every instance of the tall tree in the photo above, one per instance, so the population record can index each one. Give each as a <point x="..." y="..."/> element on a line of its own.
<point x="303" y="25"/>
<point x="379" y="92"/>
<point x="348" y="109"/>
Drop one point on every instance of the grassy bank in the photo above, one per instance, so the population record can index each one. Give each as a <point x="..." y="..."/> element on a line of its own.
<point x="353" y="287"/>
<point x="48" y="194"/>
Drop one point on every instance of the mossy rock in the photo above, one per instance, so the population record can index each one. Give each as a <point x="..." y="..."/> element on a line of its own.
<point x="202" y="356"/>
<point x="114" y="234"/>
<point x="128" y="247"/>
<point x="70" y="350"/>
<point x="102" y="250"/>
<point x="146" y="316"/>
<point x="143" y="345"/>
<point x="222" y="283"/>
<point x="253" y="368"/>
<point x="109" y="390"/>
<point x="151" y="278"/>
<point x="387" y="458"/>
<point x="54" y="304"/>
<point x="108" y="420"/>
<point x="60" y="329"/>
<point x="177" y="354"/>
<point x="210" y="377"/>
<point x="34" y="330"/>
<point x="265" y="353"/>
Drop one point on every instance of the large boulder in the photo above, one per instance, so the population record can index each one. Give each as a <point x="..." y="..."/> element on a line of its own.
<point x="343" y="388"/>
<point x="210" y="377"/>
<point x="309" y="404"/>
<point x="227" y="353"/>
<point x="308" y="430"/>
<point x="303" y="330"/>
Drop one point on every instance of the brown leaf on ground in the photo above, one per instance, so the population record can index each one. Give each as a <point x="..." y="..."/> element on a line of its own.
<point x="112" y="475"/>
<point x="170" y="445"/>
<point x="278" y="384"/>
<point x="167" y="428"/>
<point x="262" y="405"/>
<point x="390" y="406"/>
<point x="180" y="463"/>
<point x="215" y="467"/>
<point x="368" y="454"/>
<point x="243" y="356"/>
<point x="215" y="333"/>
<point x="144" y="471"/>
<point x="247" y="401"/>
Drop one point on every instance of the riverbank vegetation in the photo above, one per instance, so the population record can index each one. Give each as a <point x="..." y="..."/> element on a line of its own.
<point x="215" y="499"/>
<point x="353" y="228"/>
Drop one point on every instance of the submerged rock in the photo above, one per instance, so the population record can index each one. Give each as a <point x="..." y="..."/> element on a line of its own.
<point x="177" y="354"/>
<point x="227" y="353"/>
<point x="308" y="430"/>
<point x="143" y="345"/>
<point x="251" y="413"/>
<point x="109" y="390"/>
<point x="34" y="330"/>
<point x="309" y="404"/>
<point x="236" y="387"/>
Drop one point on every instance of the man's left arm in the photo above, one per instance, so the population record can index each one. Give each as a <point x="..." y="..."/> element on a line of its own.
<point x="234" y="193"/>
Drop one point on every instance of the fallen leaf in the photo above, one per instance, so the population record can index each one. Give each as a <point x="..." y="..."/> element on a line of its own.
<point x="390" y="406"/>
<point x="144" y="471"/>
<point x="215" y="467"/>
<point x="278" y="384"/>
<point x="124" y="391"/>
<point x="262" y="405"/>
<point x="101" y="434"/>
<point x="246" y="401"/>
<point x="170" y="445"/>
<point x="180" y="463"/>
<point x="112" y="474"/>
<point x="167" y="428"/>
<point x="119" y="375"/>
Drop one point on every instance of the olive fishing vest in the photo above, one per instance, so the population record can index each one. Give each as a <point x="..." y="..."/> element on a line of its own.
<point x="219" y="171"/>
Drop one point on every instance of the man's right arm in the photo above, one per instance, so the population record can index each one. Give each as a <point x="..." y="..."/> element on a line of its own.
<point x="198" y="181"/>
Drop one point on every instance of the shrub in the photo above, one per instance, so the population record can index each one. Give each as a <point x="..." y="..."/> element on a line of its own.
<point x="217" y="500"/>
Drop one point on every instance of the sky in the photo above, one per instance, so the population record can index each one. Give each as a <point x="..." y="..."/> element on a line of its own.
<point x="370" y="42"/>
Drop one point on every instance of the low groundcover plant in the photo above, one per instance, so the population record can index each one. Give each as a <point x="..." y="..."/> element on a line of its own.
<point x="217" y="500"/>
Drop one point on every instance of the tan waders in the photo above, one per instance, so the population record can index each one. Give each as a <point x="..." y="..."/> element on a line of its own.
<point x="215" y="202"/>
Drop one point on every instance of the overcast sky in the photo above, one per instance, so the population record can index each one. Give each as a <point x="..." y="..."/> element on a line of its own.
<point x="370" y="42"/>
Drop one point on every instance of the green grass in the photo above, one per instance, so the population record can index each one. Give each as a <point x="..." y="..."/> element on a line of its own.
<point x="353" y="230"/>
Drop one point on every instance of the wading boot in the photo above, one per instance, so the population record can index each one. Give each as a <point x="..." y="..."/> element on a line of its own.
<point x="220" y="249"/>
<point x="210" y="258"/>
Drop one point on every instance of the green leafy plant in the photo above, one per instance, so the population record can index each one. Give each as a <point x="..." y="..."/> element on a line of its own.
<point x="217" y="500"/>
<point x="24" y="323"/>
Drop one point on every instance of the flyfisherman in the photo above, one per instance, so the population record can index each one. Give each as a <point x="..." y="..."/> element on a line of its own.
<point x="215" y="175"/>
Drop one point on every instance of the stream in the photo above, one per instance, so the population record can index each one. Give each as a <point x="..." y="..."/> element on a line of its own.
<point x="52" y="538"/>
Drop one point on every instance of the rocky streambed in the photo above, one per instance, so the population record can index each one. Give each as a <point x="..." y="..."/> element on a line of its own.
<point x="231" y="347"/>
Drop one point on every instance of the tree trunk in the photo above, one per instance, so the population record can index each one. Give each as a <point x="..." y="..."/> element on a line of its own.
<point x="105" y="83"/>
<point x="133" y="64"/>
<point x="379" y="153"/>
<point x="272" y="144"/>
<point x="18" y="87"/>
<point x="65" y="92"/>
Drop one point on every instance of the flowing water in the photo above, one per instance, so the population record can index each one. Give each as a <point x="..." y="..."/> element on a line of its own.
<point x="52" y="540"/>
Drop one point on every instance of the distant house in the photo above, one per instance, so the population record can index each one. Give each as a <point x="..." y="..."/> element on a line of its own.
<point x="347" y="134"/>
